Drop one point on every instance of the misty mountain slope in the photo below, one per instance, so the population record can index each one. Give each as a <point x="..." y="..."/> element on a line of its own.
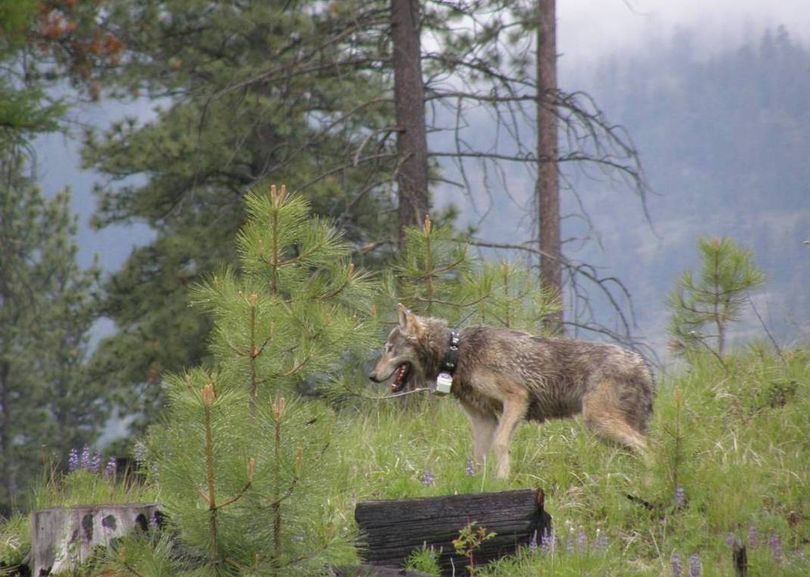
<point x="725" y="142"/>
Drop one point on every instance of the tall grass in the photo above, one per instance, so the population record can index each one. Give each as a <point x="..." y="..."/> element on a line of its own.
<point x="729" y="456"/>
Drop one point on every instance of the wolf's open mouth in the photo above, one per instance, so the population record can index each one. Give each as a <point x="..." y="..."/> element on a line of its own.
<point x="400" y="376"/>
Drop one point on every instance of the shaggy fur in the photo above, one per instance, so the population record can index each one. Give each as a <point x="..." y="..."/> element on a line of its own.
<point x="505" y="376"/>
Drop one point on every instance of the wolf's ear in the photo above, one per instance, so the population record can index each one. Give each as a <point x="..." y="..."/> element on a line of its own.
<point x="403" y="313"/>
<point x="409" y="323"/>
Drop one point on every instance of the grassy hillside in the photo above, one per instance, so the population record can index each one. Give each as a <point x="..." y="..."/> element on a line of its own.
<point x="733" y="443"/>
<point x="730" y="457"/>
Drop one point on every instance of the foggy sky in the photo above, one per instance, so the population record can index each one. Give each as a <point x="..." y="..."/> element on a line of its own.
<point x="590" y="29"/>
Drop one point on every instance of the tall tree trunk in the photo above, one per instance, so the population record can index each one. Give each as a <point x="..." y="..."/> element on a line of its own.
<point x="6" y="480"/>
<point x="548" y="183"/>
<point x="409" y="104"/>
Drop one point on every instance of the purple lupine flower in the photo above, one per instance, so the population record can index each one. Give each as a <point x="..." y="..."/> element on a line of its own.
<point x="601" y="541"/>
<point x="582" y="541"/>
<point x="427" y="478"/>
<point x="470" y="469"/>
<point x="548" y="542"/>
<point x="680" y="497"/>
<point x="569" y="544"/>
<point x="111" y="469"/>
<point x="676" y="565"/>
<point x="139" y="453"/>
<point x="694" y="565"/>
<point x="730" y="539"/>
<point x="73" y="460"/>
<point x="84" y="460"/>
<point x="753" y="538"/>
<point x="776" y="547"/>
<point x="533" y="543"/>
<point x="95" y="463"/>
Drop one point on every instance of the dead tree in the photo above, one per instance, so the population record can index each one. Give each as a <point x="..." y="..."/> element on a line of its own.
<point x="499" y="57"/>
<point x="409" y="105"/>
<point x="547" y="189"/>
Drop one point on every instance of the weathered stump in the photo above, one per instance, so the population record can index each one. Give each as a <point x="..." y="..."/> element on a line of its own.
<point x="62" y="538"/>
<point x="392" y="530"/>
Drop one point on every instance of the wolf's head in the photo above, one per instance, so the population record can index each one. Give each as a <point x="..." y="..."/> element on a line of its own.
<point x="407" y="353"/>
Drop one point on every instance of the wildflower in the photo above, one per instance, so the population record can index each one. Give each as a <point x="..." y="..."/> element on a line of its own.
<point x="533" y="543"/>
<point x="139" y="452"/>
<point x="95" y="463"/>
<point x="676" y="565"/>
<point x="548" y="542"/>
<point x="427" y="478"/>
<point x="470" y="469"/>
<point x="680" y="497"/>
<point x="111" y="469"/>
<point x="582" y="541"/>
<point x="753" y="538"/>
<point x="73" y="460"/>
<point x="694" y="565"/>
<point x="776" y="547"/>
<point x="156" y="519"/>
<point x="601" y="541"/>
<point x="730" y="539"/>
<point x="84" y="460"/>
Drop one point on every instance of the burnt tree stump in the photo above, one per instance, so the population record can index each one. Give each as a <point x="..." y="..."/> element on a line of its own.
<point x="392" y="530"/>
<point x="62" y="538"/>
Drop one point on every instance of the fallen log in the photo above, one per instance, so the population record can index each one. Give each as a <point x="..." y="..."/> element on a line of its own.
<point x="374" y="571"/>
<point x="392" y="530"/>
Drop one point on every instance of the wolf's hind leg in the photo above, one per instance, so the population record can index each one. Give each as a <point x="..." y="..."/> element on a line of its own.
<point x="604" y="416"/>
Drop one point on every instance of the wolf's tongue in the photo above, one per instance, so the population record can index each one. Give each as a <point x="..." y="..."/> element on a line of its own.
<point x="399" y="378"/>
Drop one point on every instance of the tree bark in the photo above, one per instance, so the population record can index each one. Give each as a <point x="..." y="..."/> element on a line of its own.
<point x="6" y="480"/>
<point x="548" y="183"/>
<point x="409" y="106"/>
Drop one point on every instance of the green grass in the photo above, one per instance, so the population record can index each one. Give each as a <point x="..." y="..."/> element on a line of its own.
<point x="85" y="488"/>
<point x="735" y="439"/>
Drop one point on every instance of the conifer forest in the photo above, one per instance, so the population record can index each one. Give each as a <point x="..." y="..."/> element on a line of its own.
<point x="213" y="213"/>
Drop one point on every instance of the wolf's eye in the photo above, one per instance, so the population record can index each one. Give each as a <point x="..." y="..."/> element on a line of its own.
<point x="388" y="347"/>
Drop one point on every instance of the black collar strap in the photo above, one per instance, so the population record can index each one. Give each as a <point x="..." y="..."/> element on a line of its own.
<point x="451" y="356"/>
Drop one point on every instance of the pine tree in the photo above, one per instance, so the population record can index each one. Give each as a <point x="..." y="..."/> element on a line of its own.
<point x="437" y="276"/>
<point x="703" y="307"/>
<point x="241" y="459"/>
<point x="47" y="403"/>
<point x="247" y="92"/>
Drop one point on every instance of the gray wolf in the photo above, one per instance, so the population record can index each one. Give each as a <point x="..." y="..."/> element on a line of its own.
<point x="502" y="377"/>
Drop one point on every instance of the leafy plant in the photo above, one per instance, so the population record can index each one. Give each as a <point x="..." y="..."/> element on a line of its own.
<point x="469" y="541"/>
<point x="424" y="560"/>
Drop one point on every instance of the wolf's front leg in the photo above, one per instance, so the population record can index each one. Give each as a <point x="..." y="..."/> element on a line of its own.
<point x="483" y="430"/>
<point x="514" y="410"/>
